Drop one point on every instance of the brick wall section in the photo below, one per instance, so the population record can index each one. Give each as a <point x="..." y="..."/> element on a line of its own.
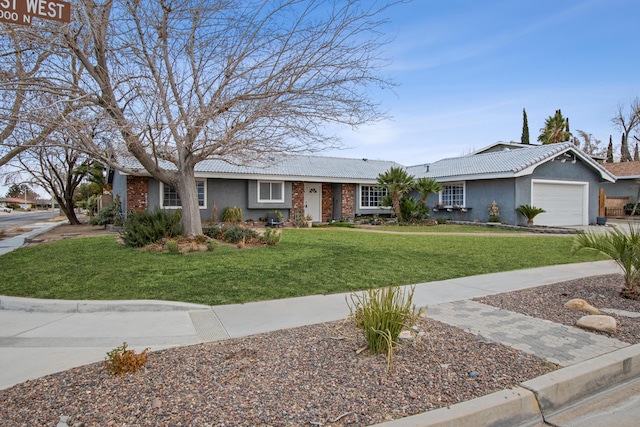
<point x="348" y="201"/>
<point x="327" y="202"/>
<point x="137" y="193"/>
<point x="297" y="196"/>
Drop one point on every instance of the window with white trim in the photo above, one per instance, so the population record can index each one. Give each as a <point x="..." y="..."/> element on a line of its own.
<point x="452" y="194"/>
<point x="372" y="196"/>
<point x="170" y="198"/>
<point x="270" y="191"/>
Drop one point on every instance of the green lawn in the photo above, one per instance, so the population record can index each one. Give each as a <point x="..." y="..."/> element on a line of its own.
<point x="307" y="261"/>
<point x="448" y="228"/>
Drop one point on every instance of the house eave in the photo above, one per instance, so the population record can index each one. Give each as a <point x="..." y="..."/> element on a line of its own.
<point x="275" y="177"/>
<point x="474" y="177"/>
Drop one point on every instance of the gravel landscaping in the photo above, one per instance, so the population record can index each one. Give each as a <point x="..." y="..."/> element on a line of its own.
<point x="307" y="376"/>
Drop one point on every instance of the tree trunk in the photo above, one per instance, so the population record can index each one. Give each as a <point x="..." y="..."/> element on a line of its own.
<point x="186" y="189"/>
<point x="631" y="291"/>
<point x="396" y="208"/>
<point x="66" y="206"/>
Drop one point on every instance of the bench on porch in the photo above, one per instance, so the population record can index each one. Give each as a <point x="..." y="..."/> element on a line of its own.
<point x="272" y="220"/>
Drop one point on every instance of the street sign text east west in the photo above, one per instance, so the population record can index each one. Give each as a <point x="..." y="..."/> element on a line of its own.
<point x="21" y="11"/>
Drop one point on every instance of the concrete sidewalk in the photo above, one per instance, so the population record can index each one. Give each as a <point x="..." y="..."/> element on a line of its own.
<point x="37" y="228"/>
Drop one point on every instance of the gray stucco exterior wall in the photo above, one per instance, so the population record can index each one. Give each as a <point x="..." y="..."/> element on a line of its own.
<point x="622" y="188"/>
<point x="479" y="195"/>
<point x="119" y="187"/>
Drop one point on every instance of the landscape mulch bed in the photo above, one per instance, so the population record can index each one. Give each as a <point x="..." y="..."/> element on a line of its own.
<point x="299" y="377"/>
<point x="311" y="375"/>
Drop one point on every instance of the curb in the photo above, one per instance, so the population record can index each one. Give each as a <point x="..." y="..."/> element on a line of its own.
<point x="79" y="306"/>
<point x="536" y="400"/>
<point x="556" y="391"/>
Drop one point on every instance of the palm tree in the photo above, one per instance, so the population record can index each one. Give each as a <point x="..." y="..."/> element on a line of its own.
<point x="529" y="212"/>
<point x="426" y="186"/>
<point x="556" y="129"/>
<point x="397" y="182"/>
<point x="623" y="248"/>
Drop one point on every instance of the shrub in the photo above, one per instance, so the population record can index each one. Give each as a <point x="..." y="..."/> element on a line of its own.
<point x="411" y="209"/>
<point x="628" y="209"/>
<point x="109" y="214"/>
<point x="381" y="314"/>
<point x="144" y="228"/>
<point x="236" y="234"/>
<point x="213" y="231"/>
<point x="119" y="361"/>
<point x="342" y="224"/>
<point x="441" y="220"/>
<point x="232" y="214"/>
<point x="172" y="245"/>
<point x="270" y="237"/>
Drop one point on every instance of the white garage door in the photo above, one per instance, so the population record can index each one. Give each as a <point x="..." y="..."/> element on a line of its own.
<point x="565" y="203"/>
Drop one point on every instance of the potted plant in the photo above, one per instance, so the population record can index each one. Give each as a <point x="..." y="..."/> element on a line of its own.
<point x="529" y="212"/>
<point x="308" y="221"/>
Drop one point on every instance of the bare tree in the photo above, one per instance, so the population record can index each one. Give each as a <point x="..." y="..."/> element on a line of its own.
<point x="53" y="168"/>
<point x="189" y="80"/>
<point x="30" y="103"/>
<point x="590" y="145"/>
<point x="628" y="123"/>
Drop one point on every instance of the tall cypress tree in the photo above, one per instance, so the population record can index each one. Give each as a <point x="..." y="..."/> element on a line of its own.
<point x="524" y="139"/>
<point x="636" y="155"/>
<point x="610" y="151"/>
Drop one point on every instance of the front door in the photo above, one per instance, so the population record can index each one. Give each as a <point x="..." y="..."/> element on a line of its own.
<point x="313" y="201"/>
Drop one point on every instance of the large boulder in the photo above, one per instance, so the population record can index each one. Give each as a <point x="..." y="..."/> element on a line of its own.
<point x="578" y="304"/>
<point x="598" y="323"/>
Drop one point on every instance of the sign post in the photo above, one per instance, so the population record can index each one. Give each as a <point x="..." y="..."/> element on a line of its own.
<point x="22" y="11"/>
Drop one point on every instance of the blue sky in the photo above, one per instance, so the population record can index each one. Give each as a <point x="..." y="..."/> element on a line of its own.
<point x="467" y="68"/>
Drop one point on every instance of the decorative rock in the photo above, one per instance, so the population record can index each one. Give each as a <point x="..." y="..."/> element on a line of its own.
<point x="156" y="403"/>
<point x="598" y="323"/>
<point x="578" y="304"/>
<point x="64" y="421"/>
<point x="474" y="374"/>
<point x="405" y="336"/>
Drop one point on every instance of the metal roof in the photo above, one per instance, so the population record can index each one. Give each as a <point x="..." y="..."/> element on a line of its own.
<point x="483" y="165"/>
<point x="289" y="166"/>
<point x="501" y="164"/>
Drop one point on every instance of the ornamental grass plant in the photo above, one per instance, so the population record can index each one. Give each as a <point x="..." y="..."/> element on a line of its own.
<point x="382" y="314"/>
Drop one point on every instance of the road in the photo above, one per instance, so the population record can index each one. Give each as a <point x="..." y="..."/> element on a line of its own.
<point x="21" y="219"/>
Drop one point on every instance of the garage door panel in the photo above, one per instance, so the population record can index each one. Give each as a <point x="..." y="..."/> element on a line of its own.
<point x="564" y="204"/>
